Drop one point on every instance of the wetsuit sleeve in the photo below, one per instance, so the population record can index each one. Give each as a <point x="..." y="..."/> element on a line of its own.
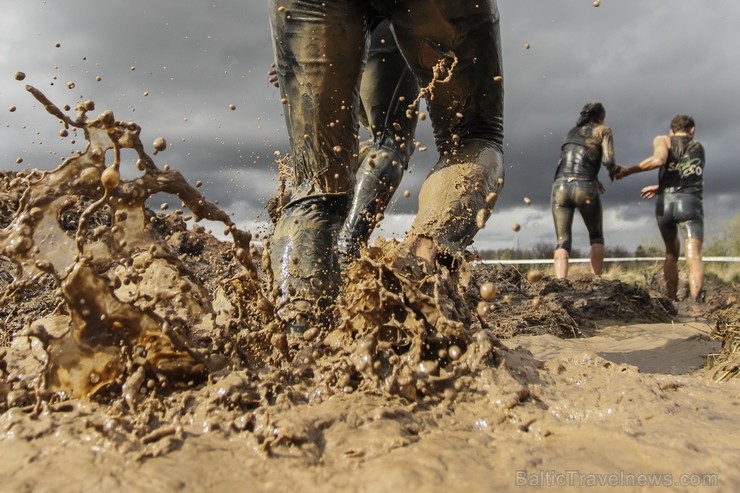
<point x="607" y="151"/>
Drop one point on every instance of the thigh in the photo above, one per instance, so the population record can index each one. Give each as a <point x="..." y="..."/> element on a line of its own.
<point x="690" y="216"/>
<point x="563" y="210"/>
<point x="388" y="92"/>
<point x="319" y="50"/>
<point x="664" y="215"/>
<point x="465" y="38"/>
<point x="589" y="205"/>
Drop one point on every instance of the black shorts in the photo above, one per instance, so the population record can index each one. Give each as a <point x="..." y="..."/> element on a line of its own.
<point x="680" y="210"/>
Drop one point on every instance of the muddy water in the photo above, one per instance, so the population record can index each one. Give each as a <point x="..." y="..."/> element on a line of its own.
<point x="160" y="367"/>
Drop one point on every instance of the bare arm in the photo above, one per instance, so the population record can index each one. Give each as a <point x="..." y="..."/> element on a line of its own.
<point x="661" y="145"/>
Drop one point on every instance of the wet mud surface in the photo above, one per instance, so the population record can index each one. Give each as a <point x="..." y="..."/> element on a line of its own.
<point x="141" y="353"/>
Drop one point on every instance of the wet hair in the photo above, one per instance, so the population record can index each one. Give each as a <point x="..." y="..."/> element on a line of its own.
<point x="682" y="123"/>
<point x="592" y="112"/>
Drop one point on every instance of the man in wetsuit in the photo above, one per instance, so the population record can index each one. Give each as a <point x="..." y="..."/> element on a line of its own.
<point x="588" y="146"/>
<point x="453" y="49"/>
<point x="680" y="188"/>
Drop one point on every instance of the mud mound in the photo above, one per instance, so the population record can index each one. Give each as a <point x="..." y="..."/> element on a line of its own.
<point x="726" y="364"/>
<point x="537" y="304"/>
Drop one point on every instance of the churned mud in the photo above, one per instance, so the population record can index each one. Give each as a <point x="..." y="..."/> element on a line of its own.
<point x="140" y="353"/>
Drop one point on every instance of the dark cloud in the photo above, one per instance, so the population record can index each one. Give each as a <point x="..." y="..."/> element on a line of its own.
<point x="646" y="61"/>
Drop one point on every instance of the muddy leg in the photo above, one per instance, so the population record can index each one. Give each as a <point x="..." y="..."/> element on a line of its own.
<point x="377" y="179"/>
<point x="561" y="263"/>
<point x="458" y="193"/>
<point x="303" y="257"/>
<point x="597" y="258"/>
<point x="695" y="267"/>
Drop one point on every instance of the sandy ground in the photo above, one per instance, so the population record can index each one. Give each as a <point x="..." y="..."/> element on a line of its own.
<point x="618" y="411"/>
<point x="140" y="353"/>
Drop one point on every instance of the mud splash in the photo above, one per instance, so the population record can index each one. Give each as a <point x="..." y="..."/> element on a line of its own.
<point x="130" y="311"/>
<point x="126" y="304"/>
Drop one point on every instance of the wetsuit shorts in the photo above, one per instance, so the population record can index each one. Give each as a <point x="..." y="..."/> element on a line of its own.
<point x="583" y="195"/>
<point x="680" y="210"/>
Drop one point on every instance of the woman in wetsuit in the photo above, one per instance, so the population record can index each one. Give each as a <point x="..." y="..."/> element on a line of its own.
<point x="588" y="146"/>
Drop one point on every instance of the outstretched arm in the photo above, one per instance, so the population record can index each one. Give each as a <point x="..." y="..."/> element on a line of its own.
<point x="661" y="145"/>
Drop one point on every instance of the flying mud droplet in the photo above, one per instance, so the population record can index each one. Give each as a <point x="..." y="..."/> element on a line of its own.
<point x="516" y="227"/>
<point x="19" y="76"/>
<point x="526" y="46"/>
<point x="232" y="107"/>
<point x="133" y="67"/>
<point x="57" y="45"/>
<point x="488" y="291"/>
<point x="597" y="3"/>
<point x="281" y="9"/>
<point x="454" y="352"/>
<point x="497" y="78"/>
<point x="491" y="198"/>
<point x="63" y="132"/>
<point x="70" y="85"/>
<point x="11" y="109"/>
<point x="19" y="160"/>
<point x="98" y="78"/>
<point x="110" y="178"/>
<point x="534" y="276"/>
<point x="481" y="217"/>
<point x="406" y="193"/>
<point x="159" y="144"/>
<point x="337" y="149"/>
<point x="483" y="308"/>
<point x="527" y="201"/>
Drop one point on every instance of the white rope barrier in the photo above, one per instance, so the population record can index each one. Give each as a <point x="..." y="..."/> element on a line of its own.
<point x="610" y="259"/>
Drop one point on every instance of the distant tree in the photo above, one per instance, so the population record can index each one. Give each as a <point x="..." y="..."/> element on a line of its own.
<point x="616" y="251"/>
<point x="649" y="250"/>
<point x="542" y="250"/>
<point x="727" y="244"/>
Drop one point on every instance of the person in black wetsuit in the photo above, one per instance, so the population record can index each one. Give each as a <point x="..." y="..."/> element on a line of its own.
<point x="680" y="159"/>
<point x="453" y="49"/>
<point x="588" y="146"/>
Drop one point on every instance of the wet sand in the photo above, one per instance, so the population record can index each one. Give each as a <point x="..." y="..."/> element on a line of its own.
<point x="630" y="404"/>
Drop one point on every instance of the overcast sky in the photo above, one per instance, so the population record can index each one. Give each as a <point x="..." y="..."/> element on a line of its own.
<point x="175" y="67"/>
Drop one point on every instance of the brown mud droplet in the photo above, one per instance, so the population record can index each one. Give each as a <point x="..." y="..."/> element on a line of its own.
<point x="488" y="291"/>
<point x="159" y="145"/>
<point x="534" y="275"/>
